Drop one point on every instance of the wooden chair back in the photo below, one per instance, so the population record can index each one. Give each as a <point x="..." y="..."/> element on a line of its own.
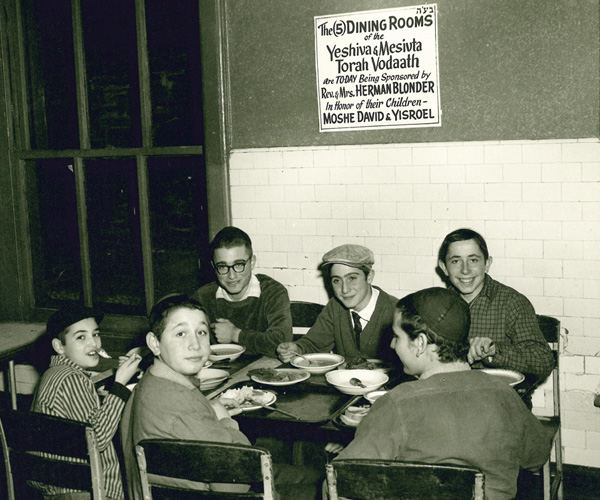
<point x="304" y="315"/>
<point x="367" y="479"/>
<point x="50" y="450"/>
<point x="201" y="462"/>
<point x="553" y="482"/>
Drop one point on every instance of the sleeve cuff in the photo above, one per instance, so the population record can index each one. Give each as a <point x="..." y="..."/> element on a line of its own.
<point x="120" y="391"/>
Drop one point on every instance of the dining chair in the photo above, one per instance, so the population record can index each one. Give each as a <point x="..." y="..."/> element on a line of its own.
<point x="371" y="479"/>
<point x="304" y="315"/>
<point x="49" y="450"/>
<point x="553" y="479"/>
<point x="181" y="469"/>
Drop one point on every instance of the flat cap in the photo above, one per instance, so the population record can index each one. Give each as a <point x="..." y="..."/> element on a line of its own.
<point x="444" y="311"/>
<point x="350" y="255"/>
<point x="69" y="315"/>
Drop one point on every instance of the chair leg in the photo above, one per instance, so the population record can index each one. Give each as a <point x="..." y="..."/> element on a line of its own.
<point x="547" y="479"/>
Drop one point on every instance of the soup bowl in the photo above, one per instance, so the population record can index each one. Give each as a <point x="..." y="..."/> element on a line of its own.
<point x="317" y="362"/>
<point x="365" y="381"/>
<point x="219" y="352"/>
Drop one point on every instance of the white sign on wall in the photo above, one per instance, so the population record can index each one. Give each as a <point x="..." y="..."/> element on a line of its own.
<point x="378" y="69"/>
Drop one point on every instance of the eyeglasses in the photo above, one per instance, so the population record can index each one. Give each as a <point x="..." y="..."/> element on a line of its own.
<point x="238" y="267"/>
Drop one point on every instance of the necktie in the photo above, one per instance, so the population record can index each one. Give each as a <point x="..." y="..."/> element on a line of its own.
<point x="357" y="328"/>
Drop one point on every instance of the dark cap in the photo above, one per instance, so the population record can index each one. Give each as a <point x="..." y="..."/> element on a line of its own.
<point x="68" y="315"/>
<point x="444" y="311"/>
<point x="350" y="255"/>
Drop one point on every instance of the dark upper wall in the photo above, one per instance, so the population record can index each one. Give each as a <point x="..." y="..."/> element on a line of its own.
<point x="508" y="70"/>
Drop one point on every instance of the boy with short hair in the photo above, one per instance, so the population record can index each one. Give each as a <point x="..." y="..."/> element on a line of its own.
<point x="451" y="414"/>
<point x="249" y="309"/>
<point x="168" y="404"/>
<point x="66" y="390"/>
<point x="357" y="319"/>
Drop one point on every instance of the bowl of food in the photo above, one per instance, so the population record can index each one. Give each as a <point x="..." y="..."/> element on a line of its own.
<point x="317" y="362"/>
<point x="371" y="397"/>
<point x="219" y="352"/>
<point x="356" y="381"/>
<point x="211" y="378"/>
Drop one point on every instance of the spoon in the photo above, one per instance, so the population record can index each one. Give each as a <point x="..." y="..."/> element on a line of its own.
<point x="358" y="383"/>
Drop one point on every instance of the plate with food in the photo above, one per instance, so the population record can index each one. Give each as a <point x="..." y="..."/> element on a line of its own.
<point x="248" y="398"/>
<point x="511" y="377"/>
<point x="278" y="376"/>
<point x="368" y="364"/>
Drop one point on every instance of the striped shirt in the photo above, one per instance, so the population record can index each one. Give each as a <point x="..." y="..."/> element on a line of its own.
<point x="66" y="390"/>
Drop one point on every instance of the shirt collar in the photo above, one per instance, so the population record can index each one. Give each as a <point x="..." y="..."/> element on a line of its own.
<point x="487" y="290"/>
<point x="455" y="366"/>
<point x="368" y="311"/>
<point x="253" y="290"/>
<point x="161" y="370"/>
<point x="62" y="360"/>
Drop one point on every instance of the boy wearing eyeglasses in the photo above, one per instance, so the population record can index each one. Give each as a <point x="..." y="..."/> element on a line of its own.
<point x="244" y="308"/>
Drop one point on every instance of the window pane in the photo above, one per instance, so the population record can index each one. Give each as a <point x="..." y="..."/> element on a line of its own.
<point x="53" y="231"/>
<point x="114" y="235"/>
<point x="178" y="224"/>
<point x="51" y="72"/>
<point x="109" y="35"/>
<point x="174" y="59"/>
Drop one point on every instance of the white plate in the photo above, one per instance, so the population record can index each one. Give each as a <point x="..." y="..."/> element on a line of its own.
<point x="292" y="371"/>
<point x="211" y="378"/>
<point x="317" y="363"/>
<point x="248" y="406"/>
<point x="511" y="377"/>
<point x="225" y="351"/>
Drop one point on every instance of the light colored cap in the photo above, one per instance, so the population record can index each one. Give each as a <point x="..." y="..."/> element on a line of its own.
<point x="350" y="255"/>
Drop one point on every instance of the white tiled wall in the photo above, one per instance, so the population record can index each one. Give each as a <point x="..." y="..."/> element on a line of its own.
<point x="536" y="202"/>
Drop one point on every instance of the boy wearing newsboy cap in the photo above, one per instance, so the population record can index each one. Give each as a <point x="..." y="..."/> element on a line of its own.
<point x="451" y="414"/>
<point x="66" y="390"/>
<point x="355" y="321"/>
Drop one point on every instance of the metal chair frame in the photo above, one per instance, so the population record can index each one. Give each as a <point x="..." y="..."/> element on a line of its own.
<point x="369" y="479"/>
<point x="184" y="469"/>
<point x="553" y="333"/>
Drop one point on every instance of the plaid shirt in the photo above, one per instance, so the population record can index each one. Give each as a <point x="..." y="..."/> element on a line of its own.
<point x="508" y="318"/>
<point x="66" y="390"/>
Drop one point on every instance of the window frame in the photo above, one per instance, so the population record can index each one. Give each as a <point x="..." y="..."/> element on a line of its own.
<point x="215" y="94"/>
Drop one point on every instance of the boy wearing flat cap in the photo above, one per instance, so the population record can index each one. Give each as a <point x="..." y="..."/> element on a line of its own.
<point x="66" y="390"/>
<point x="451" y="414"/>
<point x="355" y="322"/>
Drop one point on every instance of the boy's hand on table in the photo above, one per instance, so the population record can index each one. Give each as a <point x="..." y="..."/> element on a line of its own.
<point x="127" y="368"/>
<point x="288" y="350"/>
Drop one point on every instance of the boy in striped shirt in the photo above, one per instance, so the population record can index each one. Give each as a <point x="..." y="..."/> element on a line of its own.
<point x="67" y="390"/>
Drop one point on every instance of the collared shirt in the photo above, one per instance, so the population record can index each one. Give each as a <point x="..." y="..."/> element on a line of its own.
<point x="367" y="312"/>
<point x="508" y="318"/>
<point x="162" y="370"/>
<point x="66" y="390"/>
<point x="456" y="366"/>
<point x="253" y="290"/>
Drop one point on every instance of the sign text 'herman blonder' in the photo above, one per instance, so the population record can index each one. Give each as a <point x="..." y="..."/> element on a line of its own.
<point x="378" y="69"/>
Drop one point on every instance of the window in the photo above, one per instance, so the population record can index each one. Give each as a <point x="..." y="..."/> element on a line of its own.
<point x="110" y="146"/>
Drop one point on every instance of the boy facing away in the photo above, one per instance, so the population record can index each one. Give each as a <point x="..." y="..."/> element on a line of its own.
<point x="451" y="414"/>
<point x="66" y="390"/>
